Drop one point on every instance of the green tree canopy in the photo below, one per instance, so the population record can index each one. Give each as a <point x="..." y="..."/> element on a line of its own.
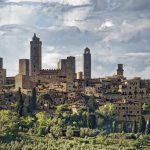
<point x="33" y="99"/>
<point x="20" y="103"/>
<point x="107" y="110"/>
<point x="8" y="121"/>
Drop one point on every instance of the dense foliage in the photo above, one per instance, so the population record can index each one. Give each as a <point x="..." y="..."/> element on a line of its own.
<point x="90" y="127"/>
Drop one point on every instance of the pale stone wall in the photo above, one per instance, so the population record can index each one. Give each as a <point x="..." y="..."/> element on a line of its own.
<point x="80" y="75"/>
<point x="22" y="81"/>
<point x="24" y="66"/>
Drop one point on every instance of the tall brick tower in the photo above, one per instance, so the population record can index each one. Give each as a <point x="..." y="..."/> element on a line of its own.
<point x="1" y="63"/>
<point x="87" y="64"/>
<point x="35" y="55"/>
<point x="120" y="70"/>
<point x="2" y="73"/>
<point x="70" y="72"/>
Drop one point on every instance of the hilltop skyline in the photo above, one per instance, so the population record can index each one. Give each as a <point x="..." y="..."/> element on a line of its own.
<point x="115" y="31"/>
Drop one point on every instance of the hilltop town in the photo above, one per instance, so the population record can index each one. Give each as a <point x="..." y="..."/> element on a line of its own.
<point x="64" y="86"/>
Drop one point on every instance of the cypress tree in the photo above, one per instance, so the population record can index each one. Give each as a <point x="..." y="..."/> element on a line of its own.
<point x="91" y="104"/>
<point x="142" y="125"/>
<point x="134" y="127"/>
<point x="92" y="121"/>
<point x="147" y="131"/>
<point x="33" y="99"/>
<point x="20" y="103"/>
<point x="124" y="126"/>
<point x="114" y="126"/>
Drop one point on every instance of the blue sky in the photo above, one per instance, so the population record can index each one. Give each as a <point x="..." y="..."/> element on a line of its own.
<point x="116" y="31"/>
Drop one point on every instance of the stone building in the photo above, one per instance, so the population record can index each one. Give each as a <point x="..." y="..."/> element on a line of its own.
<point x="2" y="73"/>
<point x="33" y="75"/>
<point x="127" y="110"/>
<point x="87" y="64"/>
<point x="35" y="55"/>
<point x="120" y="70"/>
<point x="132" y="89"/>
<point x="24" y="67"/>
<point x="10" y="80"/>
<point x="22" y="80"/>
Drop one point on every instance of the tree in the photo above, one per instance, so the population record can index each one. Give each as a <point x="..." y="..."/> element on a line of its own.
<point x="43" y="123"/>
<point x="124" y="128"/>
<point x="33" y="100"/>
<point x="20" y="103"/>
<point x="92" y="121"/>
<point x="8" y="122"/>
<point x="114" y="126"/>
<point x="134" y="127"/>
<point x="27" y="122"/>
<point x="147" y="131"/>
<point x="69" y="132"/>
<point x="142" y="125"/>
<point x="62" y="108"/>
<point x="107" y="110"/>
<point x="146" y="108"/>
<point x="91" y="103"/>
<point x="56" y="131"/>
<point x="100" y="122"/>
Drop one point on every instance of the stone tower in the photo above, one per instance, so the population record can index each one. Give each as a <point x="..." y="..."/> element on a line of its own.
<point x="87" y="64"/>
<point x="2" y="73"/>
<point x="120" y="70"/>
<point x="35" y="55"/>
<point x="70" y="72"/>
<point x="24" y="67"/>
<point x="1" y="63"/>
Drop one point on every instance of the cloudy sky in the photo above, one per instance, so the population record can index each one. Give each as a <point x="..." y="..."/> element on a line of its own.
<point x="116" y="31"/>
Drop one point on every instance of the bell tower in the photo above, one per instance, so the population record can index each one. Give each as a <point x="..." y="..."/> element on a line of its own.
<point x="120" y="70"/>
<point x="35" y="55"/>
<point x="87" y="63"/>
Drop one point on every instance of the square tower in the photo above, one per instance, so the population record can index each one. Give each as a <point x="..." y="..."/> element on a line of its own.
<point x="120" y="70"/>
<point x="2" y="73"/>
<point x="1" y="63"/>
<point x="24" y="67"/>
<point x="87" y="64"/>
<point x="35" y="56"/>
<point x="71" y="73"/>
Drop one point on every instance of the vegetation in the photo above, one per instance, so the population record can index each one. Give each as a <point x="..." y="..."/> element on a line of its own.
<point x="20" y="103"/>
<point x="33" y="99"/>
<point x="91" y="127"/>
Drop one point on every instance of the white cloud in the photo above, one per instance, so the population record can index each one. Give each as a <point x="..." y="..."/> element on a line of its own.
<point x="117" y="31"/>
<point x="106" y="24"/>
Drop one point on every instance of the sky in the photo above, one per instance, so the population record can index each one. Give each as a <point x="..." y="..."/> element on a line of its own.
<point x="116" y="31"/>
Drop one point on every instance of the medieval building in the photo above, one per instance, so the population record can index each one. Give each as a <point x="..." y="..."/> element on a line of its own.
<point x="31" y="72"/>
